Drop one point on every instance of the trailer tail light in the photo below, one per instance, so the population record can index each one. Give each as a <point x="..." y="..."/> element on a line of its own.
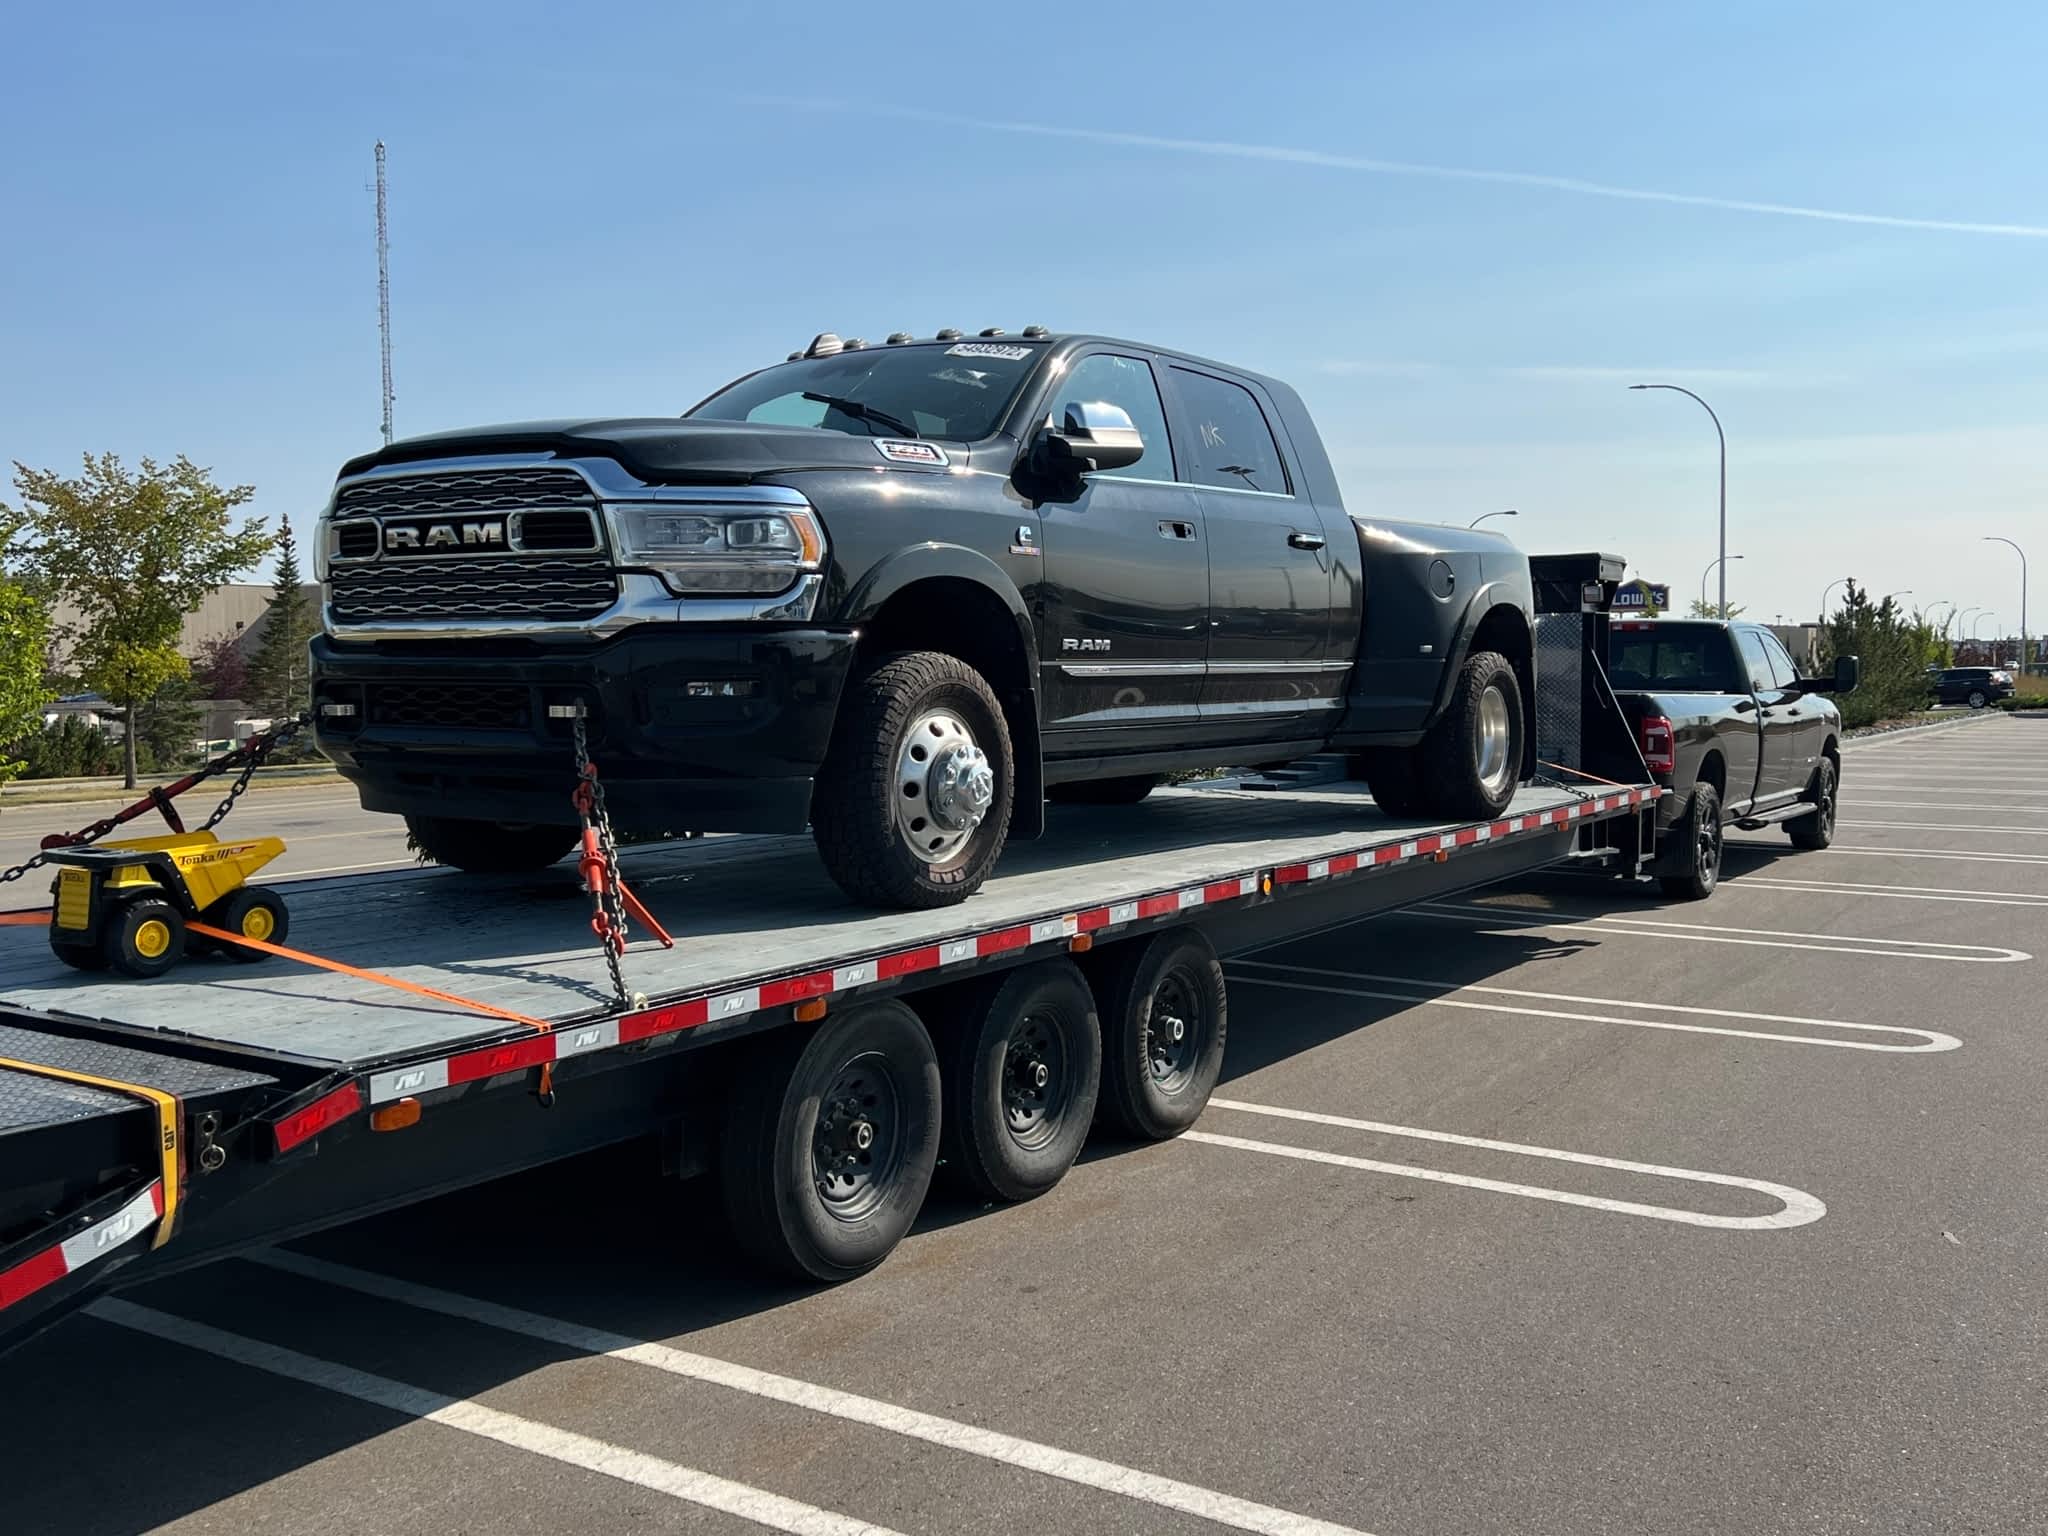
<point x="1659" y="751"/>
<point x="329" y="1109"/>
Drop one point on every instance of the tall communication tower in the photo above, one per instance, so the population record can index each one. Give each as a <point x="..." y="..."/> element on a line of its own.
<point x="383" y="290"/>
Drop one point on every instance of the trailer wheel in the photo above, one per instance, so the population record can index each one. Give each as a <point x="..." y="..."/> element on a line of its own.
<point x="1022" y="1065"/>
<point x="146" y="938"/>
<point x="1698" y="836"/>
<point x="1818" y="830"/>
<point x="1471" y="760"/>
<point x="913" y="804"/>
<point x="255" y="912"/>
<point x="488" y="847"/>
<point x="1125" y="791"/>
<point x="1165" y="1018"/>
<point x="830" y="1142"/>
<point x="1390" y="775"/>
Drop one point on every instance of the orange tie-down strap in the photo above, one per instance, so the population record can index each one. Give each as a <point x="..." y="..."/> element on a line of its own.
<point x="24" y="919"/>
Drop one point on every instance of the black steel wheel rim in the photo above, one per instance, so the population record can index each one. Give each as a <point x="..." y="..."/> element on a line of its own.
<point x="1036" y="1080"/>
<point x="1173" y="1043"/>
<point x="1827" y="804"/>
<point x="1709" y="850"/>
<point x="857" y="1143"/>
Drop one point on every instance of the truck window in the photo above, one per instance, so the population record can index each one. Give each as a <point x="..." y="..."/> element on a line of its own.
<point x="1227" y="433"/>
<point x="1761" y="678"/>
<point x="1126" y="382"/>
<point x="960" y="392"/>
<point x="1782" y="665"/>
<point x="1670" y="659"/>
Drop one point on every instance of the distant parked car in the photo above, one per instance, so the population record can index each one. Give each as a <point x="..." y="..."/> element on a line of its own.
<point x="1974" y="686"/>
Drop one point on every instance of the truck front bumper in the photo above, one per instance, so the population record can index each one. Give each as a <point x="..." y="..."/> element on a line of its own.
<point x="692" y="729"/>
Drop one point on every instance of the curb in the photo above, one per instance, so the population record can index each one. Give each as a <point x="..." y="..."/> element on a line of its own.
<point x="1875" y="737"/>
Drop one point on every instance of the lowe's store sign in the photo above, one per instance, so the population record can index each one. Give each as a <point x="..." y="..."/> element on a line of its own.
<point x="1642" y="597"/>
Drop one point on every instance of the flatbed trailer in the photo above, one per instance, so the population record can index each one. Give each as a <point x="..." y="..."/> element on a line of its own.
<point x="150" y="1125"/>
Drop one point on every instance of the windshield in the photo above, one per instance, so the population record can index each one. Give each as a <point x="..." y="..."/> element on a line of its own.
<point x="959" y="392"/>
<point x="1668" y="659"/>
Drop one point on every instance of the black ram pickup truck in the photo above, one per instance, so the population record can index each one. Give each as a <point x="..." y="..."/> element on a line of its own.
<point x="1725" y="721"/>
<point x="902" y="594"/>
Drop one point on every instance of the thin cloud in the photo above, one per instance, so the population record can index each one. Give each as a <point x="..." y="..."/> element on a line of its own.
<point x="1227" y="150"/>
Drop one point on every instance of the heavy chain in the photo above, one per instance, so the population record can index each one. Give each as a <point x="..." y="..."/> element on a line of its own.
<point x="251" y="757"/>
<point x="608" y="897"/>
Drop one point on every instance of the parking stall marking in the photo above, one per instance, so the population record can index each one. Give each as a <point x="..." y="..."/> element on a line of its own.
<point x="1949" y="826"/>
<point x="1961" y="855"/>
<point x="1797" y="1207"/>
<point x="471" y="1418"/>
<point x="1926" y="1041"/>
<point x="1716" y="933"/>
<point x="1885" y="892"/>
<point x="1946" y="805"/>
<point x="970" y="1439"/>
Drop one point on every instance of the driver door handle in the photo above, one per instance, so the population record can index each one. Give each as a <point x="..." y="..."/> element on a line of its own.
<point x="1299" y="540"/>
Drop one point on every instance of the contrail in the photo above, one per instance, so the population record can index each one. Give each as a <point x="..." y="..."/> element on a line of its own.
<point x="1225" y="149"/>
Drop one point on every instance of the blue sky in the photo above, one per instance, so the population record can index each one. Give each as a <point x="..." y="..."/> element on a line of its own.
<point x="614" y="209"/>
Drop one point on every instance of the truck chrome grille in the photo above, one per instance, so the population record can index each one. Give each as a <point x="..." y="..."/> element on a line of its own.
<point x="560" y="587"/>
<point x="464" y="493"/>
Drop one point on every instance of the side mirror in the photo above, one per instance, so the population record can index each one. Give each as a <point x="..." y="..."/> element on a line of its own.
<point x="1093" y="436"/>
<point x="1848" y="673"/>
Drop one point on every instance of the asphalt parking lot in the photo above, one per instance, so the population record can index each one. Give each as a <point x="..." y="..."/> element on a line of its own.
<point x="1555" y="1207"/>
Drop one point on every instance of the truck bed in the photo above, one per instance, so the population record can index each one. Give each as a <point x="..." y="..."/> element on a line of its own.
<point x="743" y="909"/>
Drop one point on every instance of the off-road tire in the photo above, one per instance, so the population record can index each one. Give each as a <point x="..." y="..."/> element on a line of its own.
<point x="1699" y="833"/>
<point x="489" y="847"/>
<point x="853" y="811"/>
<point x="1817" y="831"/>
<point x="1390" y="774"/>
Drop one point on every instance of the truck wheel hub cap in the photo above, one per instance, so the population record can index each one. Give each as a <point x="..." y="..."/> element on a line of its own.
<point x="945" y="785"/>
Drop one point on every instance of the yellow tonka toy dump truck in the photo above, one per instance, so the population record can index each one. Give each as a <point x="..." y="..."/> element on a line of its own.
<point x="127" y="904"/>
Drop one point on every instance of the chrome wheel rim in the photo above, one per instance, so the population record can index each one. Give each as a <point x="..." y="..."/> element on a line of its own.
<point x="1495" y="761"/>
<point x="945" y="785"/>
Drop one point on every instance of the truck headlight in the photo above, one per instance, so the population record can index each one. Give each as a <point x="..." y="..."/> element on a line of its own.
<point x="699" y="550"/>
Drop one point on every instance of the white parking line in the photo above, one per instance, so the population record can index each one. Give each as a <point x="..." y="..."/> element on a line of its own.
<point x="972" y="1439"/>
<point x="1797" y="1207"/>
<point x="1949" y="826"/>
<point x="1944" y="805"/>
<point x="1926" y="1040"/>
<point x="565" y="1446"/>
<point x="1966" y="856"/>
<point x="1716" y="933"/>
<point x="1891" y="892"/>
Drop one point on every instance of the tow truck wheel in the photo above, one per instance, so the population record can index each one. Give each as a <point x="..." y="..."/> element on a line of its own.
<point x="488" y="847"/>
<point x="1698" y="839"/>
<point x="255" y="913"/>
<point x="146" y="938"/>
<point x="1471" y="760"/>
<point x="1022" y="1065"/>
<point x="1165" y="1018"/>
<point x="830" y="1142"/>
<point x="913" y="805"/>
<point x="1818" y="830"/>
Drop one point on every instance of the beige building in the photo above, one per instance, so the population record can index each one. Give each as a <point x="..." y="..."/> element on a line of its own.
<point x="235" y="609"/>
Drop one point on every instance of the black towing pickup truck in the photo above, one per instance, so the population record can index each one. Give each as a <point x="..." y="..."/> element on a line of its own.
<point x="902" y="594"/>
<point x="1725" y="721"/>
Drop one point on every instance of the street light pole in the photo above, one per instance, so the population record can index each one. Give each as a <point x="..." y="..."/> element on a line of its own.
<point x="1482" y="517"/>
<point x="1723" y="439"/>
<point x="1722" y="562"/>
<point x="1824" y="591"/>
<point x="1992" y="538"/>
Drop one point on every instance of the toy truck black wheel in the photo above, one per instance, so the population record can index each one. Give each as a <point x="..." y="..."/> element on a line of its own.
<point x="830" y="1142"/>
<point x="146" y="937"/>
<point x="1125" y="791"/>
<point x="80" y="957"/>
<point x="1165" y="1019"/>
<point x="1391" y="776"/>
<point x="1021" y="1060"/>
<point x="255" y="913"/>
<point x="913" y="804"/>
<point x="1696" y="847"/>
<point x="1817" y="831"/>
<point x="1471" y="760"/>
<point x="488" y="847"/>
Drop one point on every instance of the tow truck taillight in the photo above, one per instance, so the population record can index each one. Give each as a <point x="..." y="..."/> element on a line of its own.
<point x="1659" y="753"/>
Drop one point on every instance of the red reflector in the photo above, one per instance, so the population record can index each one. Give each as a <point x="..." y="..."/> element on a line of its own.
<point x="328" y="1109"/>
<point x="31" y="1275"/>
<point x="1660" y="754"/>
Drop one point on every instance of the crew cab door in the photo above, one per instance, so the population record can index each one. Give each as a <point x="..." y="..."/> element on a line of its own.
<point x="1269" y="567"/>
<point x="1781" y="773"/>
<point x="1124" y="602"/>
<point x="1810" y="711"/>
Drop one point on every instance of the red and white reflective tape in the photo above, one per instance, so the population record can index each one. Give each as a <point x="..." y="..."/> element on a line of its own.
<point x="779" y="992"/>
<point x="46" y="1268"/>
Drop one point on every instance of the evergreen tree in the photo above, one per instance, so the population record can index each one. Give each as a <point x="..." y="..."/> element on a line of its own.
<point x="278" y="675"/>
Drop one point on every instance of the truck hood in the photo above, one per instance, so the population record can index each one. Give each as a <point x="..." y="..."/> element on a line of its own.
<point x="660" y="449"/>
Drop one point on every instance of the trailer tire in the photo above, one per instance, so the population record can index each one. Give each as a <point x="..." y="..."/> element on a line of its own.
<point x="146" y="937"/>
<point x="916" y="733"/>
<point x="1698" y="833"/>
<point x="488" y="847"/>
<point x="1155" y="1083"/>
<point x="864" y="1087"/>
<point x="1471" y="761"/>
<point x="1817" y="831"/>
<point x="1390" y="774"/>
<point x="1022" y="1067"/>
<point x="255" y="912"/>
<point x="1124" y="791"/>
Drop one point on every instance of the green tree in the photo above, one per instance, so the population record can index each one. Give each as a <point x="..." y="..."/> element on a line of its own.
<point x="278" y="674"/>
<point x="24" y="657"/>
<point x="133" y="553"/>
<point x="1893" y="647"/>
<point x="1702" y="610"/>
